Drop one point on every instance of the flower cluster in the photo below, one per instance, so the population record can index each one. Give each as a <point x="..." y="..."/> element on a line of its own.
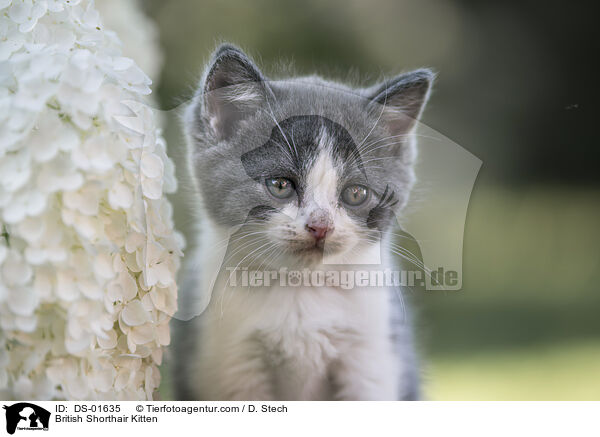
<point x="88" y="253"/>
<point x="140" y="42"/>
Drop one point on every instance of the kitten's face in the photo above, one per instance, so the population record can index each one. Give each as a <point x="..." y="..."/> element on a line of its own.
<point x="314" y="170"/>
<point x="317" y="194"/>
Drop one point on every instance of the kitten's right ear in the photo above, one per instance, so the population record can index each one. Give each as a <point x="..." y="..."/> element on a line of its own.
<point x="232" y="89"/>
<point x="402" y="99"/>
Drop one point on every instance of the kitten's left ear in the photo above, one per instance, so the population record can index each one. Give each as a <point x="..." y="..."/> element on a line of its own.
<point x="233" y="89"/>
<point x="401" y="100"/>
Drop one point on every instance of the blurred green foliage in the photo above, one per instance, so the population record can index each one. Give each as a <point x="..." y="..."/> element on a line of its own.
<point x="525" y="325"/>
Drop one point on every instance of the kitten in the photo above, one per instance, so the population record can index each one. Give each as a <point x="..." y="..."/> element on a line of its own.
<point x="309" y="175"/>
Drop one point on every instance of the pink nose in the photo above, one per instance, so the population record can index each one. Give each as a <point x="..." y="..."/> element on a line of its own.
<point x="319" y="224"/>
<point x="318" y="231"/>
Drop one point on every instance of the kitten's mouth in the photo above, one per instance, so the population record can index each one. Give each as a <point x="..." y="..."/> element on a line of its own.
<point x="318" y="247"/>
<point x="305" y="250"/>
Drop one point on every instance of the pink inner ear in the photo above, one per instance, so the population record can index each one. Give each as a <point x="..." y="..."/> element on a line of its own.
<point x="397" y="121"/>
<point x="213" y="121"/>
<point x="226" y="107"/>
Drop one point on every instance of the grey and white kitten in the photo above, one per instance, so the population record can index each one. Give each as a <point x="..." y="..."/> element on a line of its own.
<point x="302" y="174"/>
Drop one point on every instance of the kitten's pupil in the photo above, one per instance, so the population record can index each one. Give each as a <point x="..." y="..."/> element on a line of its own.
<point x="280" y="188"/>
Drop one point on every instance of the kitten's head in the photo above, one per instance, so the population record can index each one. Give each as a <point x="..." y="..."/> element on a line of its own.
<point x="312" y="167"/>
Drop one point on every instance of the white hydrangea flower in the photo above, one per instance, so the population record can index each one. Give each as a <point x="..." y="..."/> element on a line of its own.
<point x="140" y="42"/>
<point x="88" y="252"/>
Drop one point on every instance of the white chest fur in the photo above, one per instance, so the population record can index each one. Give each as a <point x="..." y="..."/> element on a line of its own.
<point x="293" y="342"/>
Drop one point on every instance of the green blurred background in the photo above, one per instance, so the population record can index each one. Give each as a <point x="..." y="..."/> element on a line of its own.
<point x="514" y="88"/>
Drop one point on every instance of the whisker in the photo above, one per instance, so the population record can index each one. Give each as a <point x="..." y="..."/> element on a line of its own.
<point x="376" y="122"/>
<point x="272" y="114"/>
<point x="223" y="291"/>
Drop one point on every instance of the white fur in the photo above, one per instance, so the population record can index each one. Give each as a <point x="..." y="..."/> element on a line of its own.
<point x="284" y="343"/>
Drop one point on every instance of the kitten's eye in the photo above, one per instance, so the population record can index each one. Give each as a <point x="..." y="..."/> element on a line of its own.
<point x="280" y="188"/>
<point x="354" y="195"/>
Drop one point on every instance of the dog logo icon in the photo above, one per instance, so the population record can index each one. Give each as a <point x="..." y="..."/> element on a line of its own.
<point x="26" y="416"/>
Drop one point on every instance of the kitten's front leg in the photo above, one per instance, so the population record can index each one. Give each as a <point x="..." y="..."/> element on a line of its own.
<point x="244" y="374"/>
<point x="365" y="373"/>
